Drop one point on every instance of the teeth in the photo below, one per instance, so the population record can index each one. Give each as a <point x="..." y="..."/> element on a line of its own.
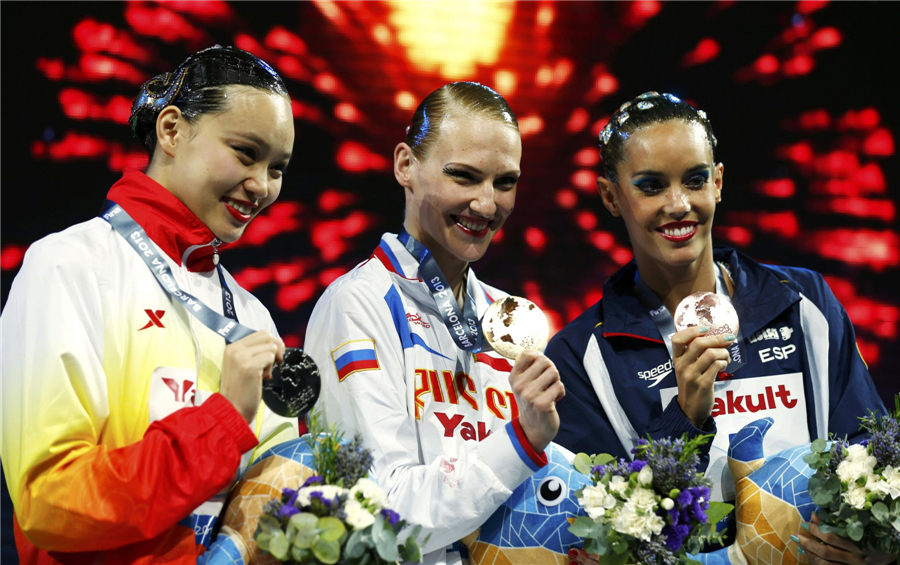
<point x="472" y="225"/>
<point x="676" y="232"/>
<point x="242" y="208"/>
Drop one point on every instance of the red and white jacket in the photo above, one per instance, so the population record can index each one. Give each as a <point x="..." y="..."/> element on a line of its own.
<point x="115" y="445"/>
<point x="442" y="422"/>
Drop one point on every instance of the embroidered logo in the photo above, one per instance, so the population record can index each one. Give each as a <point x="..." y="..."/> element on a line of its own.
<point x="155" y="318"/>
<point x="657" y="374"/>
<point x="417" y="319"/>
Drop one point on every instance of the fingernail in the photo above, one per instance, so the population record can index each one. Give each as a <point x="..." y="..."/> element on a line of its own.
<point x="729" y="337"/>
<point x="795" y="539"/>
<point x="805" y="525"/>
<point x="801" y="551"/>
<point x="573" y="562"/>
<point x="573" y="553"/>
<point x="703" y="329"/>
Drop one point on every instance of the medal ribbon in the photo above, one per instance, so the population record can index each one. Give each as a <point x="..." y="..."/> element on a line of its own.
<point x="227" y="326"/>
<point x="666" y="324"/>
<point x="464" y="326"/>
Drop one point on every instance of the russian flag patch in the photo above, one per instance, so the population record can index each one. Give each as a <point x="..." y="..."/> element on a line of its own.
<point x="353" y="356"/>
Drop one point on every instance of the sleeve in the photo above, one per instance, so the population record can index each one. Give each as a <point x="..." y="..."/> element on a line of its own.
<point x="851" y="391"/>
<point x="585" y="426"/>
<point x="450" y="496"/>
<point x="71" y="493"/>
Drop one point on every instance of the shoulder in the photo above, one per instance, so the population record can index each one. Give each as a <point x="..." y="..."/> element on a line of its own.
<point x="811" y="284"/>
<point x="77" y="249"/>
<point x="367" y="283"/>
<point x="573" y="339"/>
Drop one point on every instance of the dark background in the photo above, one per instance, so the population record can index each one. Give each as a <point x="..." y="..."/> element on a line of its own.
<point x="802" y="97"/>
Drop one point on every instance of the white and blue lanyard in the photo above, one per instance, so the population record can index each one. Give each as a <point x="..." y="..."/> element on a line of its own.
<point x="464" y="325"/>
<point x="227" y="326"/>
<point x="666" y="324"/>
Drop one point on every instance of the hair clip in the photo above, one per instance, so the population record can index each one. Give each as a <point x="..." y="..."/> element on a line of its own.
<point x="606" y="133"/>
<point x="650" y="94"/>
<point x="672" y="98"/>
<point x="624" y="106"/>
<point x="158" y="92"/>
<point x="644" y="105"/>
<point x="702" y="114"/>
<point x="622" y="117"/>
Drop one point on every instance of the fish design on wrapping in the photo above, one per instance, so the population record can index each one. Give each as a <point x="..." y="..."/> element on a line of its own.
<point x="772" y="499"/>
<point x="532" y="526"/>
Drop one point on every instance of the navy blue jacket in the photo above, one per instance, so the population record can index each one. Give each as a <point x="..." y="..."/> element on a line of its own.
<point x="802" y="367"/>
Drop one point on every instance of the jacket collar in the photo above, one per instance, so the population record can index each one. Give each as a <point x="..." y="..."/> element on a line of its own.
<point x="169" y="223"/>
<point x="394" y="256"/>
<point x="759" y="296"/>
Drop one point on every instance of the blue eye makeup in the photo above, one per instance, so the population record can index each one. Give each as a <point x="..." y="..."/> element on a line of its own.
<point x="648" y="184"/>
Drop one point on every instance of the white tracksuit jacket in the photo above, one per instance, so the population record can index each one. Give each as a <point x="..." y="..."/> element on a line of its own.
<point x="442" y="422"/>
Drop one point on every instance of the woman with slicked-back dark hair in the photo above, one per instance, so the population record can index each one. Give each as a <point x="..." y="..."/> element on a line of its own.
<point x="454" y="429"/>
<point x="629" y="373"/>
<point x="131" y="367"/>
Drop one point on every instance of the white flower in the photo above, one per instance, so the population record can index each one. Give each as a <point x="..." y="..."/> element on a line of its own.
<point x="328" y="491"/>
<point x="892" y="480"/>
<point x="596" y="501"/>
<point x="668" y="504"/>
<point x="371" y="492"/>
<point x="357" y="516"/>
<point x="857" y="464"/>
<point x="645" y="477"/>
<point x="618" y="484"/>
<point x="643" y="498"/>
<point x="855" y="496"/>
<point x="637" y="522"/>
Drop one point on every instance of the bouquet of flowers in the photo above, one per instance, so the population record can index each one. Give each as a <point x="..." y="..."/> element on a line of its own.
<point x="324" y="522"/>
<point x="857" y="487"/>
<point x="654" y="510"/>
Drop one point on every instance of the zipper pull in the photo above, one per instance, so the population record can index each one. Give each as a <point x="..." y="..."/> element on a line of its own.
<point x="215" y="244"/>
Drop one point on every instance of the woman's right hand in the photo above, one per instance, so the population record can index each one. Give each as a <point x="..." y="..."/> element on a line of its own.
<point x="244" y="366"/>
<point x="537" y="387"/>
<point x="698" y="358"/>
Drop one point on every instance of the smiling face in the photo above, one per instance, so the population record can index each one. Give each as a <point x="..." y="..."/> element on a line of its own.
<point x="668" y="187"/>
<point x="461" y="193"/>
<point x="227" y="167"/>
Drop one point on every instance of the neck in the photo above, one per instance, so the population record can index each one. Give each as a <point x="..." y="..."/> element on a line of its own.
<point x="673" y="284"/>
<point x="453" y="268"/>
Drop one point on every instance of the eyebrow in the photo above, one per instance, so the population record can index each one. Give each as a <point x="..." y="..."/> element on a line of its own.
<point x="648" y="172"/>
<point x="516" y="172"/>
<point x="258" y="141"/>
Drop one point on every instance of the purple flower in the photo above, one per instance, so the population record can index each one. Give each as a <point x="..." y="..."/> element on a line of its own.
<point x="675" y="536"/>
<point x="390" y="516"/>
<point x="317" y="495"/>
<point x="288" y="510"/>
<point x="636" y="466"/>
<point x="599" y="469"/>
<point x="313" y="480"/>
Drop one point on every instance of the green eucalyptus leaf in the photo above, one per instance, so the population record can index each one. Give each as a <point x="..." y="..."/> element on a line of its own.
<point x="595" y="546"/>
<point x="855" y="530"/>
<point x="614" y="559"/>
<point x="581" y="527"/>
<point x="331" y="529"/>
<point x="268" y="524"/>
<point x="411" y="550"/>
<point x="279" y="546"/>
<point x="620" y="546"/>
<point x="603" y="459"/>
<point x="819" y="446"/>
<point x="262" y="540"/>
<point x="355" y="545"/>
<point x="385" y="540"/>
<point x="327" y="552"/>
<point x="833" y="485"/>
<point x="582" y="463"/>
<point x="301" y="555"/>
<point x="717" y="511"/>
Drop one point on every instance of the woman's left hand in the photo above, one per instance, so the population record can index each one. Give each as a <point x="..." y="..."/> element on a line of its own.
<point x="823" y="549"/>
